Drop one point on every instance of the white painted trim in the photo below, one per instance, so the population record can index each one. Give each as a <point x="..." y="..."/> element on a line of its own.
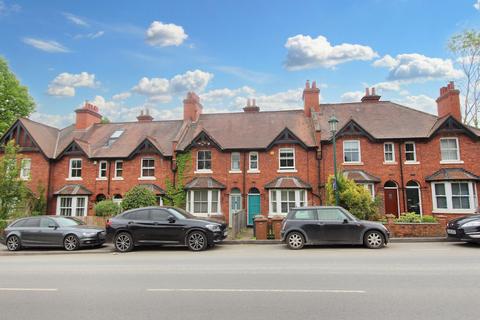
<point x="253" y="171"/>
<point x="74" y="179"/>
<point x="286" y="169"/>
<point x="385" y="161"/>
<point x="118" y="179"/>
<point x="448" y="195"/>
<point x="99" y="177"/>
<point x="235" y="171"/>
<point x="74" y="205"/>
<point x="458" y="160"/>
<point x="419" y="197"/>
<point x="452" y="162"/>
<point x="250" y="161"/>
<point x="70" y="169"/>
<point x="196" y="164"/>
<point x="203" y="171"/>
<point x="141" y="169"/>
<point x="22" y="167"/>
<point x="352" y="163"/>
<point x="147" y="178"/>
<point x="115" y="177"/>
<point x="231" y="162"/>
<point x="411" y="162"/>
<point x="278" y="193"/>
<point x="359" y="153"/>
<point x="414" y="161"/>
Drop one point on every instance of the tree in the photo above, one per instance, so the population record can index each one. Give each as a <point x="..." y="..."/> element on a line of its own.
<point x="105" y="120"/>
<point x="106" y="208"/>
<point x="138" y="197"/>
<point x="15" y="101"/>
<point x="13" y="191"/>
<point x="466" y="46"/>
<point x="353" y="197"/>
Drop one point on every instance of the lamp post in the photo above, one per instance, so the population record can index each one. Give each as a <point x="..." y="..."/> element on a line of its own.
<point x="333" y="122"/>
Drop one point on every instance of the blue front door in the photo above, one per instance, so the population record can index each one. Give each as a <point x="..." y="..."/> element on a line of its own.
<point x="253" y="207"/>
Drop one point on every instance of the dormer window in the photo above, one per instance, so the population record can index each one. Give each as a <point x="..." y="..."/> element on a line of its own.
<point x="114" y="137"/>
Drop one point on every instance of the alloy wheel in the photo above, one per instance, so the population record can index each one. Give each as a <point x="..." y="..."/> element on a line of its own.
<point x="196" y="241"/>
<point x="13" y="243"/>
<point x="295" y="241"/>
<point x="374" y="240"/>
<point x="70" y="243"/>
<point x="123" y="242"/>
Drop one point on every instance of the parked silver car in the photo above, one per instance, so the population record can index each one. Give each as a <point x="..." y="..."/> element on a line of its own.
<point x="51" y="231"/>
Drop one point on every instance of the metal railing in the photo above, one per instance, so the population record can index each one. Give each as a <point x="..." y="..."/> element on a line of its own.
<point x="239" y="223"/>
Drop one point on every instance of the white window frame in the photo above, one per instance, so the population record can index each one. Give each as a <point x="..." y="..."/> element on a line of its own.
<point x="472" y="194"/>
<point x="414" y="161"/>
<point x="116" y="176"/>
<point x="142" y="177"/>
<point x="277" y="194"/>
<point x="235" y="170"/>
<point x="359" y="152"/>
<point x="74" y="206"/>
<point x="70" y="169"/>
<point x="367" y="187"/>
<point x="458" y="160"/>
<point x="286" y="169"/>
<point x="250" y="169"/>
<point x="100" y="170"/>
<point x="385" y="152"/>
<point x="191" y="207"/>
<point x="211" y="163"/>
<point x="25" y="171"/>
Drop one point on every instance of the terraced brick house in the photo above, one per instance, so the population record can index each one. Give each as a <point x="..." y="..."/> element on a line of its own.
<point x="264" y="162"/>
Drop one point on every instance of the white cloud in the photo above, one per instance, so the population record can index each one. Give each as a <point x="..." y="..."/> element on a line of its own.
<point x="76" y="20"/>
<point x="93" y="35"/>
<point x="161" y="89"/>
<point x="225" y="93"/>
<point x="305" y="52"/>
<point x="477" y="5"/>
<point x="417" y="67"/>
<point x="420" y="102"/>
<point x="45" y="45"/>
<point x="164" y="35"/>
<point x="352" y="96"/>
<point x="54" y="120"/>
<point x="122" y="96"/>
<point x="245" y="74"/>
<point x="65" y="83"/>
<point x="387" y="86"/>
<point x="6" y="9"/>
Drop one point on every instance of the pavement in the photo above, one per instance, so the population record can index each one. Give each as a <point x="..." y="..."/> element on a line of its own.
<point x="435" y="280"/>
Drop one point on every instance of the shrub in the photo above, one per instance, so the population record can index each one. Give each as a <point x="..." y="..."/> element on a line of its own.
<point x="409" y="217"/>
<point x="106" y="208"/>
<point x="429" y="219"/>
<point x="3" y="224"/>
<point x="138" y="197"/>
<point x="353" y="197"/>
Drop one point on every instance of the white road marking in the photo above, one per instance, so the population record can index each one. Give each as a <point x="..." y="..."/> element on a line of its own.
<point x="28" y="289"/>
<point x="260" y="290"/>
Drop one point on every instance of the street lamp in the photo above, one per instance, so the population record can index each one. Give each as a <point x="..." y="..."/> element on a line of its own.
<point x="333" y="122"/>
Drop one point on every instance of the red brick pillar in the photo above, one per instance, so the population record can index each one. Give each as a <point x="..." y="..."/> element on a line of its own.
<point x="261" y="227"/>
<point x="277" y="226"/>
<point x="442" y="220"/>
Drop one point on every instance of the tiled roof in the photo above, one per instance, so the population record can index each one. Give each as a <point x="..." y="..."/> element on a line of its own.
<point x="154" y="188"/>
<point x="360" y="176"/>
<point x="73" y="189"/>
<point x="287" y="183"/>
<point x="452" y="174"/>
<point x="204" y="183"/>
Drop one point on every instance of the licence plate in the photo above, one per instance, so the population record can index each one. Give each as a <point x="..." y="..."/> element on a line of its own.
<point x="451" y="231"/>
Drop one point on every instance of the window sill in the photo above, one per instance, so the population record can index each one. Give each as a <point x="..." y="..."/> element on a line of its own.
<point x="452" y="162"/>
<point x="352" y="163"/>
<point x="147" y="178"/>
<point x="101" y="179"/>
<point x="25" y="178"/>
<point x="390" y="163"/>
<point x="453" y="211"/>
<point x="117" y="179"/>
<point x="286" y="170"/>
<point x="253" y="171"/>
<point x="202" y="171"/>
<point x="411" y="162"/>
<point x="235" y="171"/>
<point x="74" y="179"/>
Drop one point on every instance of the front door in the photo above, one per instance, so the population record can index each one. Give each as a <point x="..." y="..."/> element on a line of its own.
<point x="391" y="201"/>
<point x="253" y="207"/>
<point x="413" y="200"/>
<point x="235" y="206"/>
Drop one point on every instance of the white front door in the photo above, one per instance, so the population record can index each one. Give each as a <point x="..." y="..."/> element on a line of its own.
<point x="235" y="206"/>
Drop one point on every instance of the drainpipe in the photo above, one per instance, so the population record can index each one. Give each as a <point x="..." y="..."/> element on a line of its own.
<point x="244" y="177"/>
<point x="108" y="176"/>
<point x="401" y="177"/>
<point x="49" y="184"/>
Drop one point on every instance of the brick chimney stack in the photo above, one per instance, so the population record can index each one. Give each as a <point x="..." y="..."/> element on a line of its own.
<point x="370" y="96"/>
<point x="145" y="117"/>
<point x="448" y="103"/>
<point x="311" y="98"/>
<point x="251" y="106"/>
<point x="192" y="109"/>
<point x="87" y="116"/>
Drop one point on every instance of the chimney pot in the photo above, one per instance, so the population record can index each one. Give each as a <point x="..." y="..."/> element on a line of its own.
<point x="307" y="84"/>
<point x="87" y="116"/>
<point x="448" y="103"/>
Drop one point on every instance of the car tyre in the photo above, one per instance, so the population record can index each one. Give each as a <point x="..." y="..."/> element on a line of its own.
<point x="123" y="242"/>
<point x="295" y="240"/>
<point x="71" y="242"/>
<point x="13" y="243"/>
<point x="197" y="241"/>
<point x="374" y="239"/>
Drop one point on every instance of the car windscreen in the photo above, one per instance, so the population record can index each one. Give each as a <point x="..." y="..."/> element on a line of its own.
<point x="68" y="222"/>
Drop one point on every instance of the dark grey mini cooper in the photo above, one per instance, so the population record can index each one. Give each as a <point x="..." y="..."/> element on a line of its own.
<point x="51" y="231"/>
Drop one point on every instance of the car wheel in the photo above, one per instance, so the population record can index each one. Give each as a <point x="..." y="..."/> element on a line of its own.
<point x="13" y="243"/>
<point x="197" y="241"/>
<point x="123" y="242"/>
<point x="374" y="239"/>
<point x="71" y="242"/>
<point x="295" y="240"/>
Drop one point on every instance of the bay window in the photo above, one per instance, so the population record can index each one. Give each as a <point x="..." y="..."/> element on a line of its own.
<point x="203" y="202"/>
<point x="283" y="200"/>
<point x="454" y="197"/>
<point x="72" y="206"/>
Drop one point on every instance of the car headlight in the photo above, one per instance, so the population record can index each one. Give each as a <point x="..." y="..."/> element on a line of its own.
<point x="213" y="227"/>
<point x="471" y="224"/>
<point x="89" y="234"/>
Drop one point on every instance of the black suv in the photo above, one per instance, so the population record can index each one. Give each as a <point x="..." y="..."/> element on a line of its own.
<point x="330" y="225"/>
<point x="163" y="225"/>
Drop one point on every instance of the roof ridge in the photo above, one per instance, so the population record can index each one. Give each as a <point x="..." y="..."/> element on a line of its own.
<point x="242" y="112"/>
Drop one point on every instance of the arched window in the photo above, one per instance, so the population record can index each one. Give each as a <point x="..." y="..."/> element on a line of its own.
<point x="254" y="191"/>
<point x="414" y="199"/>
<point x="390" y="184"/>
<point x="235" y="191"/>
<point x="100" y="197"/>
<point x="412" y="184"/>
<point x="117" y="198"/>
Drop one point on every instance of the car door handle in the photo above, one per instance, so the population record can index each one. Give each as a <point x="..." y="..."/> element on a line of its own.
<point x="130" y="222"/>
<point x="320" y="223"/>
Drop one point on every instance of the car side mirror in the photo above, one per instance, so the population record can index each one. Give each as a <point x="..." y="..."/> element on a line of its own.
<point x="345" y="220"/>
<point x="171" y="219"/>
<point x="54" y="227"/>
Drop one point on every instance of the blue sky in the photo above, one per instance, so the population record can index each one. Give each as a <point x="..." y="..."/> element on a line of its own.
<point x="128" y="55"/>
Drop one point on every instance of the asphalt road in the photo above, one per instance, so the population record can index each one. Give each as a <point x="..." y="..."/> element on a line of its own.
<point x="403" y="281"/>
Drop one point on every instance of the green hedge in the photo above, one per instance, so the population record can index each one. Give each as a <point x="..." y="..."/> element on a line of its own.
<point x="106" y="208"/>
<point x="412" y="217"/>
